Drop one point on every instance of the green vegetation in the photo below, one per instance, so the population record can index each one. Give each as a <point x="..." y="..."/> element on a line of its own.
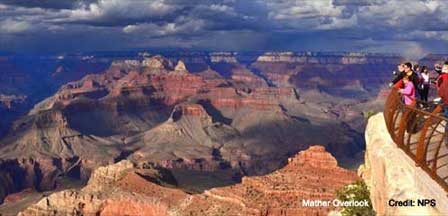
<point x="357" y="191"/>
<point x="368" y="114"/>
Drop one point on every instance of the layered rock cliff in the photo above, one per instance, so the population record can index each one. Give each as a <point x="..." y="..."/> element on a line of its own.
<point x="392" y="175"/>
<point x="124" y="189"/>
<point x="234" y="112"/>
<point x="156" y="111"/>
<point x="26" y="80"/>
<point x="240" y="113"/>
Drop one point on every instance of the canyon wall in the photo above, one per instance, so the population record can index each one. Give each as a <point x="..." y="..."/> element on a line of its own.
<point x="233" y="112"/>
<point x="392" y="174"/>
<point x="123" y="189"/>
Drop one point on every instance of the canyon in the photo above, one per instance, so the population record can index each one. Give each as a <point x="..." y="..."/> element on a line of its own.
<point x="37" y="77"/>
<point x="229" y="118"/>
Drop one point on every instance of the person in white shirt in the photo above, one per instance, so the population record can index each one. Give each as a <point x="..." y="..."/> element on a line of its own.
<point x="425" y="84"/>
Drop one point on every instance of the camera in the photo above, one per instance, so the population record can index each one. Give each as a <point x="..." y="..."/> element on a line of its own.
<point x="395" y="73"/>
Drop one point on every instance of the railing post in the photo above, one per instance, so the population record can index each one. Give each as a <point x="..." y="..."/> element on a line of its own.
<point x="399" y="139"/>
<point x="391" y="107"/>
<point x="421" y="145"/>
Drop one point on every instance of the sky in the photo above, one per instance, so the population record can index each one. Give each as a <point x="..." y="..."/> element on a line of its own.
<point x="408" y="27"/>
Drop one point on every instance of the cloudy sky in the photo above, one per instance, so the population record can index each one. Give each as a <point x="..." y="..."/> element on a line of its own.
<point x="401" y="26"/>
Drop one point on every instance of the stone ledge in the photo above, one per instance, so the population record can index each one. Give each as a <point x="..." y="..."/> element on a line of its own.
<point x="391" y="174"/>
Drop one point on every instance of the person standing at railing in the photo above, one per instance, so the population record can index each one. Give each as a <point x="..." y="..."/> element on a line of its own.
<point x="408" y="92"/>
<point x="442" y="87"/>
<point x="425" y="84"/>
<point x="442" y="90"/>
<point x="443" y="76"/>
<point x="412" y="76"/>
<point x="397" y="82"/>
<point x="405" y="70"/>
<point x="438" y="68"/>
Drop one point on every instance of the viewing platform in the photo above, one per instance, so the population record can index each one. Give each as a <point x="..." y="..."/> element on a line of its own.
<point x="422" y="133"/>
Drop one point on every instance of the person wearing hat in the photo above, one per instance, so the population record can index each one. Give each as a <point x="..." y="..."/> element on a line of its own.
<point x="443" y="76"/>
<point x="438" y="68"/>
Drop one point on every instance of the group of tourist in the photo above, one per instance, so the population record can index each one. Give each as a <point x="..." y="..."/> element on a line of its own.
<point x="414" y="81"/>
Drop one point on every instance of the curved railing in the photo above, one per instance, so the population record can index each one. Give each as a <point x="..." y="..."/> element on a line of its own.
<point x="421" y="133"/>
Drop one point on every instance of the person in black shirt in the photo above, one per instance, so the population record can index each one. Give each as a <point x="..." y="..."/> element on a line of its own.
<point x="413" y="77"/>
<point x="399" y="74"/>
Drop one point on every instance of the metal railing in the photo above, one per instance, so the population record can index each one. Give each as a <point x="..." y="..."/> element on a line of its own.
<point x="420" y="132"/>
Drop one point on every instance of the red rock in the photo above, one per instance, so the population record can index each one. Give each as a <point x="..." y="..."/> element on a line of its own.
<point x="311" y="174"/>
<point x="14" y="197"/>
<point x="191" y="110"/>
<point x="122" y="207"/>
<point x="127" y="109"/>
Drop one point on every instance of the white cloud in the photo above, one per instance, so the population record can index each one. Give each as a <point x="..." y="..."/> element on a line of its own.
<point x="309" y="15"/>
<point x="87" y="12"/>
<point x="281" y="10"/>
<point x="3" y="7"/>
<point x="140" y="20"/>
<point x="14" y="26"/>
<point x="372" y="14"/>
<point x="339" y="23"/>
<point x="130" y="28"/>
<point x="222" y="8"/>
<point x="111" y="9"/>
<point x="404" y="14"/>
<point x="180" y="26"/>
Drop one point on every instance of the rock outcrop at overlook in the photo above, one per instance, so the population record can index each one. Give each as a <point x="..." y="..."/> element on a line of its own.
<point x="120" y="189"/>
<point x="392" y="174"/>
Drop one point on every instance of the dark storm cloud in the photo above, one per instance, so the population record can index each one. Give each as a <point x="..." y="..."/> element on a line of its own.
<point x="49" y="4"/>
<point x="225" y="24"/>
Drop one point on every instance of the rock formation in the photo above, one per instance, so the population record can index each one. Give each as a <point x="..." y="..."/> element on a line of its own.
<point x="151" y="111"/>
<point x="236" y="113"/>
<point x="120" y="189"/>
<point x="9" y="101"/>
<point x="26" y="80"/>
<point x="392" y="174"/>
<point x="337" y="74"/>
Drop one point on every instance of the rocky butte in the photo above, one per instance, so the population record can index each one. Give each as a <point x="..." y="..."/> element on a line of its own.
<point x="124" y="189"/>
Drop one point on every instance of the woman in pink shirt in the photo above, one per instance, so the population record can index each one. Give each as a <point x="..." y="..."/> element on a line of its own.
<point x="408" y="92"/>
